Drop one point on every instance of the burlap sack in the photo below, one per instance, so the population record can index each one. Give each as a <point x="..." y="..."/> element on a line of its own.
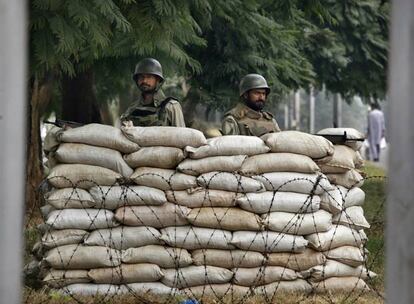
<point x="70" y="198"/>
<point x="113" y="197"/>
<point x="217" y="291"/>
<point x="82" y="257"/>
<point x="88" y="219"/>
<point x="268" y="241"/>
<point x="336" y="200"/>
<point x="336" y="269"/>
<point x="51" y="142"/>
<point x="298" y="223"/>
<point x="189" y="237"/>
<point x="152" y="288"/>
<point x="124" y="237"/>
<point x="229" y="145"/>
<point x="344" y="284"/>
<point x="278" y="162"/>
<point x="196" y="275"/>
<point x="314" y="146"/>
<point x="232" y="219"/>
<point x="351" y="135"/>
<point x="165" y="136"/>
<point x="55" y="238"/>
<point x="343" y="159"/>
<point x="296" y="286"/>
<point x="350" y="179"/>
<point x="296" y="261"/>
<point x="82" y="176"/>
<point x="201" y="197"/>
<point x="227" y="258"/>
<point x="229" y="182"/>
<point x="158" y="157"/>
<point x="90" y="289"/>
<point x="270" y="201"/>
<point x="163" y="179"/>
<point x="352" y="197"/>
<point x="209" y="164"/>
<point x="349" y="255"/>
<point x="352" y="217"/>
<point x="69" y="153"/>
<point x="99" y="135"/>
<point x="154" y="216"/>
<point x="262" y="275"/>
<point x="60" y="278"/>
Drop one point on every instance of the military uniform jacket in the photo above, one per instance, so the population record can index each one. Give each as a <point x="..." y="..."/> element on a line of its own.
<point x="161" y="112"/>
<point x="242" y="120"/>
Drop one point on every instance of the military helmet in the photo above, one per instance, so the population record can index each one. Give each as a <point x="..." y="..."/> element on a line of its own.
<point x="148" y="66"/>
<point x="253" y="81"/>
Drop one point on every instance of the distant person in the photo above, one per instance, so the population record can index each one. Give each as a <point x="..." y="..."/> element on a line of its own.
<point x="152" y="107"/>
<point x="376" y="131"/>
<point x="248" y="117"/>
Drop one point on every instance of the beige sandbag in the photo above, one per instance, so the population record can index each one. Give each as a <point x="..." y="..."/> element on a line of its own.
<point x="213" y="291"/>
<point x="189" y="237"/>
<point x="154" y="288"/>
<point x="196" y="275"/>
<point x="351" y="136"/>
<point x="352" y="217"/>
<point x="229" y="182"/>
<point x="60" y="278"/>
<point x="55" y="238"/>
<point x="343" y="159"/>
<point x="336" y="269"/>
<point x="82" y="257"/>
<point x="262" y="275"/>
<point x="163" y="256"/>
<point x="227" y="258"/>
<point x="298" y="223"/>
<point x="270" y="201"/>
<point x="349" y="255"/>
<point x="268" y="241"/>
<point x="232" y="219"/>
<point x="50" y="143"/>
<point x="278" y="162"/>
<point x="99" y="135"/>
<point x="335" y="200"/>
<point x="229" y="145"/>
<point x="163" y="179"/>
<point x="90" y="289"/>
<point x="113" y="197"/>
<point x="88" y="219"/>
<point x="69" y="153"/>
<point x="201" y="197"/>
<point x="165" y="136"/>
<point x="352" y="197"/>
<point x="296" y="261"/>
<point x="158" y="157"/>
<point x="126" y="273"/>
<point x="314" y="146"/>
<point x="154" y="216"/>
<point x="296" y="286"/>
<point x="350" y="179"/>
<point x="344" y="284"/>
<point x="124" y="237"/>
<point x="294" y="182"/>
<point x="82" y="176"/>
<point x="213" y="163"/>
<point x="337" y="236"/>
<point x="70" y="198"/>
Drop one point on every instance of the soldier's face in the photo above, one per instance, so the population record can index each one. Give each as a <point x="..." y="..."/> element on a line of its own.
<point x="147" y="82"/>
<point x="256" y="98"/>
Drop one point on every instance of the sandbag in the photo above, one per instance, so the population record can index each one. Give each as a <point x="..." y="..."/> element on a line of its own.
<point x="213" y="291"/>
<point x="196" y="275"/>
<point x="69" y="153"/>
<point x="336" y="269"/>
<point x="268" y="241"/>
<point x="113" y="197"/>
<point x="229" y="182"/>
<point x="314" y="146"/>
<point x="352" y="197"/>
<point x="201" y="197"/>
<point x="298" y="223"/>
<point x="124" y="237"/>
<point x="163" y="256"/>
<point x="70" y="198"/>
<point x="270" y="201"/>
<point x="296" y="286"/>
<point x="55" y="238"/>
<point x="153" y="288"/>
<point x="82" y="176"/>
<point x="227" y="258"/>
<point x="336" y="200"/>
<point x="350" y="179"/>
<point x="294" y="182"/>
<point x="154" y="216"/>
<point x="352" y="217"/>
<point x="82" y="257"/>
<point x="341" y="284"/>
<point x="60" y="278"/>
<point x="126" y="273"/>
<point x="189" y="237"/>
<point x="296" y="261"/>
<point x="262" y="275"/>
<point x="337" y="236"/>
<point x="228" y="146"/>
<point x="163" y="179"/>
<point x="165" y="136"/>
<point x="158" y="157"/>
<point x="278" y="162"/>
<point x="213" y="163"/>
<point x="349" y="255"/>
<point x="98" y="135"/>
<point x="232" y="219"/>
<point x="90" y="289"/>
<point x="353" y="136"/>
<point x="50" y="143"/>
<point x="88" y="219"/>
<point x="343" y="159"/>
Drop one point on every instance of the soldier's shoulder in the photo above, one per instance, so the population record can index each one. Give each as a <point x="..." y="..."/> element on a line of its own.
<point x="170" y="101"/>
<point x="237" y="112"/>
<point x="268" y="115"/>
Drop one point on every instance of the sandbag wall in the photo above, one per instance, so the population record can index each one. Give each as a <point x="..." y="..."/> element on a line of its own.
<point x="164" y="210"/>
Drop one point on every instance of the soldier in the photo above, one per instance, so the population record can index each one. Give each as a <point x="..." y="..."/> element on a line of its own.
<point x="248" y="117"/>
<point x="152" y="107"/>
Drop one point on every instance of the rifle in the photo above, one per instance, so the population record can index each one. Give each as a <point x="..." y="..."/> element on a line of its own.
<point x="64" y="123"/>
<point x="339" y="139"/>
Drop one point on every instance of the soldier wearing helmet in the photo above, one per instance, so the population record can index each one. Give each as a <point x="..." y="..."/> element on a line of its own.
<point x="152" y="107"/>
<point x="248" y="117"/>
